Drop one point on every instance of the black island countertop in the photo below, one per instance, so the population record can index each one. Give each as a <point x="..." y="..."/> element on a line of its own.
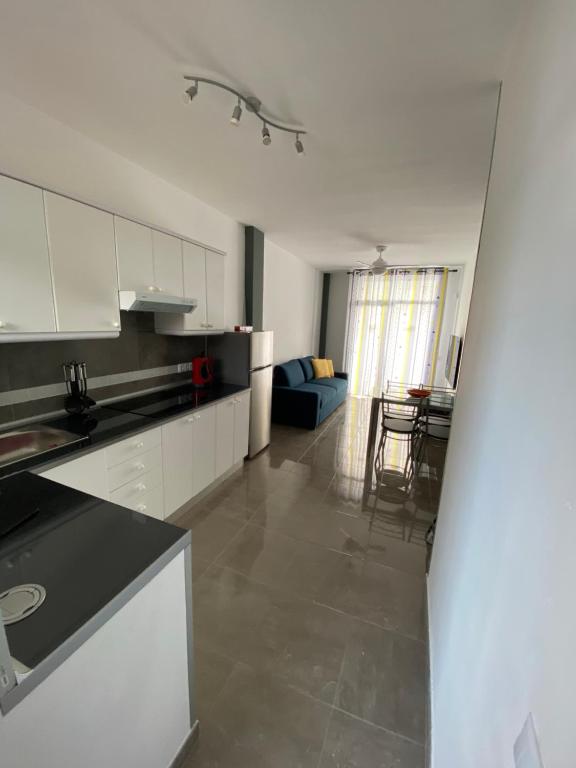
<point x="114" y="421"/>
<point x="84" y="551"/>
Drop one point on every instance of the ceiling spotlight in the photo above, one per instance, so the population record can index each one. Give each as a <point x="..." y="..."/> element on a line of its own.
<point x="266" y="140"/>
<point x="236" y="114"/>
<point x="299" y="146"/>
<point x="191" y="92"/>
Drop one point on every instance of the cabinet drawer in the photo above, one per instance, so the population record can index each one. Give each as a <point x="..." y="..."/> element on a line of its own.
<point x="149" y="501"/>
<point x="133" y="468"/>
<point x="132" y="446"/>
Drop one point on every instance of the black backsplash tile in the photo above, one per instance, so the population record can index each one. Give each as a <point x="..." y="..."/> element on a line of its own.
<point x="33" y="408"/>
<point x="6" y="414"/>
<point x="133" y="387"/>
<point x="32" y="364"/>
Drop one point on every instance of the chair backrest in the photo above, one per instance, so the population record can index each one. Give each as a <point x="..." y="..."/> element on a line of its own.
<point x="398" y="408"/>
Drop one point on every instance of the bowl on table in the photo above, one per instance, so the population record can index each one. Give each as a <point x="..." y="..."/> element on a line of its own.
<point x="419" y="392"/>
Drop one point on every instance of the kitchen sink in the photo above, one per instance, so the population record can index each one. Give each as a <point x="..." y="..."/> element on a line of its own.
<point x="23" y="443"/>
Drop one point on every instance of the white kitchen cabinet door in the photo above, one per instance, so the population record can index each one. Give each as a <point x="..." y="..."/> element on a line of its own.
<point x="87" y="473"/>
<point x="134" y="254"/>
<point x="26" y="298"/>
<point x="204" y="448"/>
<point x="215" y="287"/>
<point x="224" y="436"/>
<point x="194" y="261"/>
<point x="241" y="425"/>
<point x="83" y="255"/>
<point x="167" y="263"/>
<point x="177" y="453"/>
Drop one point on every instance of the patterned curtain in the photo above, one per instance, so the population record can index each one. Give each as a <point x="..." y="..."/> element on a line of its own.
<point x="398" y="327"/>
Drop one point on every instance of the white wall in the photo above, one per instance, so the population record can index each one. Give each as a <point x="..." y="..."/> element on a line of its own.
<point x="337" y="318"/>
<point x="503" y="623"/>
<point x="37" y="148"/>
<point x="292" y="297"/>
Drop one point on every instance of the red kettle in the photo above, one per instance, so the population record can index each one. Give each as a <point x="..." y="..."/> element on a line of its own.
<point x="202" y="371"/>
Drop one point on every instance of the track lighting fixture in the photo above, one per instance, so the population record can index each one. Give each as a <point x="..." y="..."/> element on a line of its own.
<point x="266" y="140"/>
<point x="236" y="114"/>
<point x="252" y="104"/>
<point x="191" y="92"/>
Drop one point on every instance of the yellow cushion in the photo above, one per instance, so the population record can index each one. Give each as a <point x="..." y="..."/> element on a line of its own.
<point x="322" y="368"/>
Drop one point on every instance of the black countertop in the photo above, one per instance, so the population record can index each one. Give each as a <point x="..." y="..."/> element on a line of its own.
<point x="82" y="550"/>
<point x="114" y="421"/>
<point x="172" y="402"/>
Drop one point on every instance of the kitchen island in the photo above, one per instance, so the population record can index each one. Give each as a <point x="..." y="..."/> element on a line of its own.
<point x="100" y="672"/>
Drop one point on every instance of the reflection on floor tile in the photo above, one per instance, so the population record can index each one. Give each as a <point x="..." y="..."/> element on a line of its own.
<point x="271" y="630"/>
<point x="309" y="606"/>
<point x="212" y="670"/>
<point x="384" y="681"/>
<point x="351" y="743"/>
<point x="257" y="721"/>
<point x="353" y="585"/>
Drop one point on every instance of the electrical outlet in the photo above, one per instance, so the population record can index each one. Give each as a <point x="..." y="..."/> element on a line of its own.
<point x="526" y="747"/>
<point x="184" y="367"/>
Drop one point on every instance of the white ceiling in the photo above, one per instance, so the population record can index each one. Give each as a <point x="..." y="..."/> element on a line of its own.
<point x="398" y="97"/>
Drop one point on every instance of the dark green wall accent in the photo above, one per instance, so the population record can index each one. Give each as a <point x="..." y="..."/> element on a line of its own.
<point x="324" y="314"/>
<point x="254" y="277"/>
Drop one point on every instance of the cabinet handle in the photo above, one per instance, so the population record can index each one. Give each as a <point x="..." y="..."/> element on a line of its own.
<point x="115" y="324"/>
<point x="141" y="507"/>
<point x="152" y="288"/>
<point x="139" y="444"/>
<point x="139" y="466"/>
<point x="140" y="487"/>
<point x="2" y="324"/>
<point x="190" y="419"/>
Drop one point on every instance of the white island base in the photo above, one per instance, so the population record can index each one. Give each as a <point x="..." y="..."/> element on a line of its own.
<point x="123" y="699"/>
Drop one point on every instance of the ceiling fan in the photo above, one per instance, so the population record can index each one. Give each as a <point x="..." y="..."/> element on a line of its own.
<point x="378" y="266"/>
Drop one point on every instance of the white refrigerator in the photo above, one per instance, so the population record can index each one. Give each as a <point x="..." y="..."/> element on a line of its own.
<point x="246" y="360"/>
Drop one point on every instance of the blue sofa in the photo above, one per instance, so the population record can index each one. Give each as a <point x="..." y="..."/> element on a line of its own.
<point x="300" y="400"/>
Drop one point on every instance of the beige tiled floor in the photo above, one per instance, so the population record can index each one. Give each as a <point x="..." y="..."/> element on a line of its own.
<point x="310" y="618"/>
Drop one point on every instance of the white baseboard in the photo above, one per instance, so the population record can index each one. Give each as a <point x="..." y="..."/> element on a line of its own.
<point x="430" y="723"/>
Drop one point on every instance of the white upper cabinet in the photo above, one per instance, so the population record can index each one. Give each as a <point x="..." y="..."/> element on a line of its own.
<point x="26" y="298"/>
<point x="215" y="263"/>
<point x="167" y="252"/>
<point x="204" y="280"/>
<point x="135" y="256"/>
<point x="83" y="255"/>
<point x="194" y="261"/>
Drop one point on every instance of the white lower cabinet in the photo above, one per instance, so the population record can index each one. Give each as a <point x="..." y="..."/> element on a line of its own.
<point x="145" y="494"/>
<point x="177" y="448"/>
<point x="87" y="473"/>
<point x="241" y="425"/>
<point x="224" y="436"/>
<point x="158" y="471"/>
<point x="189" y="448"/>
<point x="204" y="449"/>
<point x="199" y="448"/>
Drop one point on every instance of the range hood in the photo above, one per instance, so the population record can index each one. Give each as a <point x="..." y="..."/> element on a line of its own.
<point x="155" y="301"/>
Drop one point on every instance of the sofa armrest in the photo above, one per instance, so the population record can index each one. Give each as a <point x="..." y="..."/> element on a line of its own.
<point x="341" y="375"/>
<point x="294" y="406"/>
